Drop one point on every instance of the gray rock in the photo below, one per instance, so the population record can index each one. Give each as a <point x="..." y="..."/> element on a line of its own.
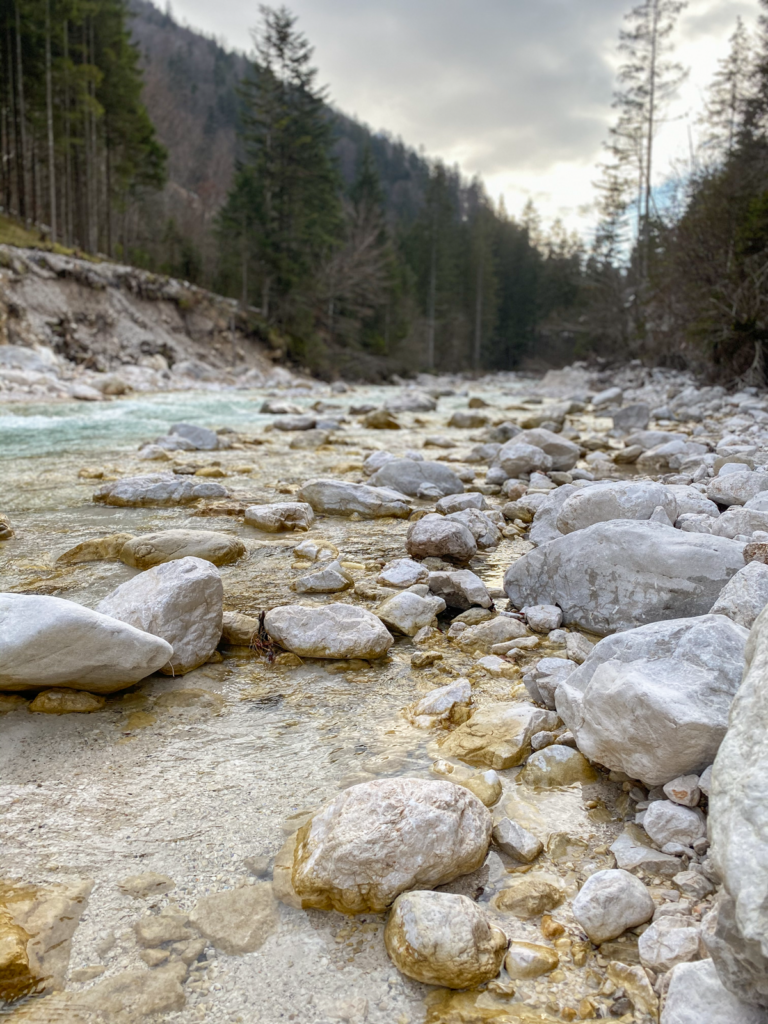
<point x="611" y="901"/>
<point x="622" y="574"/>
<point x="480" y="525"/>
<point x="516" y="841"/>
<point x="341" y="498"/>
<point x="631" y="417"/>
<point x="668" y="942"/>
<point x="329" y="631"/>
<point x="460" y="589"/>
<point x="329" y="580"/>
<point x="632" y="852"/>
<point x="610" y="396"/>
<point x="626" y="499"/>
<point x="759" y="503"/>
<point x="736" y="522"/>
<point x="578" y="648"/>
<point x="180" y="601"/>
<point x="303" y="422"/>
<point x="407" y="476"/>
<point x="684" y="790"/>
<point x="543" y="679"/>
<point x="564" y="453"/>
<point x="202" y="439"/>
<point x="495" y="631"/>
<point x="169" y="545"/>
<point x="545" y="517"/>
<point x="705" y="780"/>
<point x="411" y="401"/>
<point x="515" y="458"/>
<point x="406" y="612"/>
<point x="47" y="641"/>
<point x="280" y="516"/>
<point x="695" y="522"/>
<point x="403" y="572"/>
<point x="691" y="500"/>
<point x="668" y="822"/>
<point x="438" y="536"/>
<point x="375" y="461"/>
<point x="738" y="829"/>
<point x="736" y="488"/>
<point x="157" y="489"/>
<point x="458" y="502"/>
<point x="653" y="702"/>
<point x="697" y="996"/>
<point x="543" y="618"/>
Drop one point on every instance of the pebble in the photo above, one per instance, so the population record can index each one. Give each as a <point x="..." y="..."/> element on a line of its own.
<point x="611" y="901"/>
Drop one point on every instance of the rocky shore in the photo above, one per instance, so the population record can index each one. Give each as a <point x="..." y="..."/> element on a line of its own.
<point x="475" y="677"/>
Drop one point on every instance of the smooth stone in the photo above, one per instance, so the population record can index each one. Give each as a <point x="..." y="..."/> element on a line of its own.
<point x="341" y="498"/>
<point x="237" y="920"/>
<point x="289" y="423"/>
<point x="441" y="938"/>
<point x="486" y="786"/>
<point x="653" y="702"/>
<point x="330" y="631"/>
<point x="564" y="453"/>
<point x="610" y="902"/>
<point x="696" y="995"/>
<point x="384" y="837"/>
<point x="498" y="736"/>
<point x="632" y="417"/>
<point x="516" y="841"/>
<point x="459" y="502"/>
<point x="201" y="438"/>
<point x="467" y="420"/>
<point x="238" y="629"/>
<point x="632" y="851"/>
<point x="544" y="527"/>
<point x="542" y="679"/>
<point x="692" y="501"/>
<point x="626" y="499"/>
<point x="132" y="995"/>
<point x="736" y="488"/>
<point x="528" y="960"/>
<point x="515" y="458"/>
<point x="407" y="476"/>
<point x="445" y="705"/>
<point x="47" y="642"/>
<point x="735" y="522"/>
<point x="460" y="589"/>
<point x="407" y="612"/>
<point x="498" y="630"/>
<point x="157" y="489"/>
<point x="403" y="572"/>
<point x="436" y="536"/>
<point x="668" y="822"/>
<point x="543" y="618"/>
<point x="411" y="401"/>
<point x="557" y="766"/>
<point x="668" y="942"/>
<point x="533" y="895"/>
<point x="622" y="574"/>
<point x="329" y="580"/>
<point x="156" y="548"/>
<point x="480" y="525"/>
<point x="150" y="883"/>
<point x="745" y="595"/>
<point x="180" y="601"/>
<point x="684" y="790"/>
<point x="280" y="516"/>
<point x="102" y="548"/>
<point x="66" y="702"/>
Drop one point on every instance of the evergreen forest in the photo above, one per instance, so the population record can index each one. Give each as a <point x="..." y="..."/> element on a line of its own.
<point x="127" y="136"/>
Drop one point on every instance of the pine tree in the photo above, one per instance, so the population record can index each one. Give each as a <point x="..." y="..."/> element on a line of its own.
<point x="729" y="95"/>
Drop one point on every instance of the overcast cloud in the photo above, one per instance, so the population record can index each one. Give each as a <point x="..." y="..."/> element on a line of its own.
<point x="517" y="91"/>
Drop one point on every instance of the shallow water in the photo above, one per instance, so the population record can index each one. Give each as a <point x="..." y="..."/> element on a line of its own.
<point x="193" y="776"/>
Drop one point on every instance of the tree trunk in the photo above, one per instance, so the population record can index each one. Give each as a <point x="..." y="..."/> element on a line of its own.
<point x="478" y="317"/>
<point x="431" y="310"/>
<point x="49" y="124"/>
<point x="21" y="129"/>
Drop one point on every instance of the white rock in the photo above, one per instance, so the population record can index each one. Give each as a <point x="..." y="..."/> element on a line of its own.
<point x="736" y="488"/>
<point x="157" y="489"/>
<point x="341" y="498"/>
<point x="458" y="502"/>
<point x="380" y="838"/>
<point x="411" y="401"/>
<point x="544" y="527"/>
<point x="542" y="680"/>
<point x="180" y="601"/>
<point x="375" y="461"/>
<point x="279" y="516"/>
<point x="495" y="631"/>
<point x="668" y="942"/>
<point x="668" y="822"/>
<point x="47" y="642"/>
<point x="461" y="589"/>
<point x="705" y="780"/>
<point x="578" y="648"/>
<point x="440" y="938"/>
<point x="697" y="996"/>
<point x="622" y="574"/>
<point x="690" y="500"/>
<point x="498" y="736"/>
<point x="406" y="612"/>
<point x="170" y="545"/>
<point x="632" y="851"/>
<point x="626" y="499"/>
<point x="516" y="841"/>
<point x="438" y="536"/>
<point x="441" y="704"/>
<point x="739" y="521"/>
<point x="695" y="522"/>
<point x="653" y="702"/>
<point x="329" y="631"/>
<point x="407" y="476"/>
<point x="543" y="618"/>
<point x="610" y="396"/>
<point x="515" y="458"/>
<point x="745" y="595"/>
<point x="479" y="524"/>
<point x="564" y="454"/>
<point x="611" y="901"/>
<point x="329" y="580"/>
<point x="684" y="790"/>
<point x="202" y="438"/>
<point x="403" y="572"/>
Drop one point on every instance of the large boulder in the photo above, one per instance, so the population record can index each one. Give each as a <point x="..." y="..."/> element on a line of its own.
<point x="625" y="499"/>
<point x="498" y="736"/>
<point x="544" y="527"/>
<point x="515" y="458"/>
<point x="157" y="489"/>
<point x="154" y="548"/>
<point x="564" y="453"/>
<point x="696" y="995"/>
<point x="745" y="595"/>
<point x="341" y="498"/>
<point x="440" y="938"/>
<point x="328" y="631"/>
<point x="180" y="601"/>
<point x="46" y="641"/>
<point x="622" y="574"/>
<point x="384" y="837"/>
<point x="738" y="829"/>
<point x="736" y="488"/>
<point x="409" y="476"/>
<point x="439" y="536"/>
<point x="408" y="612"/>
<point x="653" y="702"/>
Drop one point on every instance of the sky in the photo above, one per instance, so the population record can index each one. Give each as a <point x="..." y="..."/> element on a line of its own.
<point x="515" y="91"/>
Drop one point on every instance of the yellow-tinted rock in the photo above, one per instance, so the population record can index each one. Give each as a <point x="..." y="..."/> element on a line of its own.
<point x="16" y="978"/>
<point x="6" y="530"/>
<point x="101" y="549"/>
<point x="635" y="983"/>
<point x="149" y="884"/>
<point x="170" y="545"/>
<point x="529" y="960"/>
<point x="11" y="702"/>
<point x="531" y="896"/>
<point x="485" y="786"/>
<point x="557" y="765"/>
<point x="66" y="702"/>
<point x="214" y="471"/>
<point x="498" y="736"/>
<point x="237" y="920"/>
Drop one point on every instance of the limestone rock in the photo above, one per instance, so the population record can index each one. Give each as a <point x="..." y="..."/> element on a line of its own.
<point x="445" y="705"/>
<point x="697" y="996"/>
<point x="103" y="548"/>
<point x="499" y="630"/>
<point x="16" y="978"/>
<point x="736" y="488"/>
<point x="668" y="942"/>
<point x="330" y="631"/>
<point x="668" y="822"/>
<point x="626" y="499"/>
<point x="440" y="938"/>
<point x="157" y="489"/>
<point x="411" y="401"/>
<point x="544" y="528"/>
<point x="180" y="601"/>
<point x="407" y="476"/>
<point x="622" y="574"/>
<point x="684" y="790"/>
<point x="202" y="439"/>
<point x="384" y="837"/>
<point x="458" y="502"/>
<point x="237" y="920"/>
<point x="239" y="629"/>
<point x="407" y="612"/>
<point x="564" y="453"/>
<point x="155" y="548"/>
<point x="280" y="516"/>
<point x="132" y="995"/>
<point x="632" y="850"/>
<point x="529" y="960"/>
<point x="745" y="595"/>
<point x="542" y="679"/>
<point x="65" y="702"/>
<point x="461" y="589"/>
<point x="557" y="765"/>
<point x="543" y="618"/>
<point x="150" y="883"/>
<point x="691" y="501"/>
<point x="329" y="580"/>
<point x="167" y="926"/>
<point x="516" y="841"/>
<point x="578" y="648"/>
<point x="653" y="701"/>
<point x="611" y="901"/>
<point x="437" y="536"/>
<point x="498" y="736"/>
<point x="515" y="458"/>
<point x="480" y="525"/>
<point x="341" y="498"/>
<point x="534" y="894"/>
<point x="47" y="642"/>
<point x="403" y="572"/>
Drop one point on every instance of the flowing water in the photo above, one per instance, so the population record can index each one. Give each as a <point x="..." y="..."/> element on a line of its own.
<point x="203" y="777"/>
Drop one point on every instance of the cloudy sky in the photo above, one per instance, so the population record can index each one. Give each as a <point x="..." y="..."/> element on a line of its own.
<point x="517" y="91"/>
